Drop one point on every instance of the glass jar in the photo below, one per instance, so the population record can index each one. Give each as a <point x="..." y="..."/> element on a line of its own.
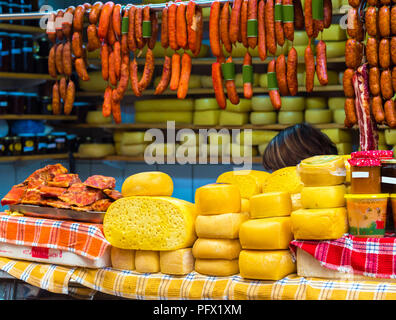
<point x="60" y="141"/>
<point x="51" y="144"/>
<point x="365" y="175"/>
<point x="16" y="52"/>
<point x="42" y="143"/>
<point x="388" y="176"/>
<point x="16" y="146"/>
<point x="16" y="103"/>
<point x="5" y="52"/>
<point x="27" y="53"/>
<point x="29" y="143"/>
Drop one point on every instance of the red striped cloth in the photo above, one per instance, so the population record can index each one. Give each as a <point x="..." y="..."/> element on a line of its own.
<point x="372" y="257"/>
<point x="85" y="239"/>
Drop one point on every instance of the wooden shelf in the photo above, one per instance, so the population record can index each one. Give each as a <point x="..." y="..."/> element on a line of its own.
<point x="21" y="28"/>
<point x="34" y="157"/>
<point x="37" y="117"/>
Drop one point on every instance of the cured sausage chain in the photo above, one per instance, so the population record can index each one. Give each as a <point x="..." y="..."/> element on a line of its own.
<point x="125" y="33"/>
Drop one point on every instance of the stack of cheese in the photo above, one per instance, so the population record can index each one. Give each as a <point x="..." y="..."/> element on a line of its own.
<point x="341" y="138"/>
<point x="206" y="112"/>
<point x="323" y="215"/>
<point x="148" y="229"/>
<point x="256" y="138"/>
<point x="162" y="110"/>
<point x="265" y="238"/>
<point x="336" y="105"/>
<point x="317" y="111"/>
<point x="131" y="143"/>
<point x="217" y="225"/>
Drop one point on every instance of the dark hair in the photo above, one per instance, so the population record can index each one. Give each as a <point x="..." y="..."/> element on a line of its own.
<point x="294" y="144"/>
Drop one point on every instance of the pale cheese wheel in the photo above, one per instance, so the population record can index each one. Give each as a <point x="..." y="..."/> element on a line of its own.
<point x="323" y="197"/>
<point x="160" y="149"/>
<point x="338" y="135"/>
<point x="96" y="150"/>
<point x="147" y="261"/>
<point x="96" y="117"/>
<point x="227" y="249"/>
<point x="208" y="226"/>
<point x="319" y="116"/>
<point x="135" y="137"/>
<point x="218" y="198"/>
<point x="122" y="259"/>
<point x="262" y="103"/>
<point x="263" y="82"/>
<point x="218" y="137"/>
<point x="177" y="262"/>
<point x="335" y="49"/>
<point x="215" y="150"/>
<point x="315" y="103"/>
<point x="151" y="183"/>
<point x="189" y="138"/>
<point x="262" y="118"/>
<point x="290" y="117"/>
<point x="300" y="38"/>
<point x="132" y="150"/>
<point x="293" y="103"/>
<point x="217" y="267"/>
<point x="203" y="104"/>
<point x="117" y="147"/>
<point x="334" y="33"/>
<point x="164" y="105"/>
<point x="206" y="118"/>
<point x="244" y="105"/>
<point x="233" y="118"/>
<point x="381" y="138"/>
<point x="187" y="152"/>
<point x="270" y="204"/>
<point x="301" y="78"/>
<point x="95" y="82"/>
<point x="161" y="117"/>
<point x="262" y="147"/>
<point x="206" y="81"/>
<point x="117" y="135"/>
<point x="390" y="136"/>
<point x="339" y="116"/>
<point x="255" y="137"/>
<point x="237" y="151"/>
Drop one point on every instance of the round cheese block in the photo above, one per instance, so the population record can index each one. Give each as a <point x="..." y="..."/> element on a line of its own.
<point x="270" y="204"/>
<point x="335" y="103"/>
<point x="318" y="116"/>
<point x="96" y="117"/>
<point x="244" y="105"/>
<point x="131" y="150"/>
<point x="262" y="103"/>
<point x="151" y="183"/>
<point x="293" y="103"/>
<point x="290" y="117"/>
<point x="339" y="116"/>
<point x="206" y="81"/>
<point x="316" y="103"/>
<point x="300" y="38"/>
<point x="96" y="150"/>
<point x="203" y="104"/>
<point x="323" y="197"/>
<point x="256" y="137"/>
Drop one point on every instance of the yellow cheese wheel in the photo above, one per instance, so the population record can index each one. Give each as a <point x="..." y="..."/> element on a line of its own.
<point x="206" y="81"/>
<point x="215" y="150"/>
<point x="135" y="137"/>
<point x="346" y="148"/>
<point x="132" y="150"/>
<point x="177" y="262"/>
<point x="263" y="82"/>
<point x="255" y="137"/>
<point x="95" y="82"/>
<point x="218" y="198"/>
<point x="164" y="105"/>
<point x="301" y="50"/>
<point x="336" y="4"/>
<point x="262" y="103"/>
<point x="150" y="223"/>
<point x="203" y="104"/>
<point x="96" y="117"/>
<point x="160" y="117"/>
<point x="233" y="118"/>
<point x="266" y="234"/>
<point x="208" y="226"/>
<point x="381" y="138"/>
<point x="335" y="103"/>
<point x="266" y="265"/>
<point x="217" y="267"/>
<point x="290" y="117"/>
<point x="219" y="137"/>
<point x="244" y="105"/>
<point x="334" y="33"/>
<point x="147" y="261"/>
<point x="319" y="224"/>
<point x="348" y="168"/>
<point x="300" y="38"/>
<point x="327" y="170"/>
<point x="152" y="183"/>
<point x="117" y="147"/>
<point x="270" y="204"/>
<point x="319" y="116"/>
<point x="189" y="138"/>
<point x="296" y="201"/>
<point x="332" y="78"/>
<point x="239" y="80"/>
<point x="316" y="103"/>
<point x="335" y="49"/>
<point x="390" y="136"/>
<point x="226" y="249"/>
<point x="338" y="135"/>
<point x="293" y="103"/>
<point x="160" y="149"/>
<point x="186" y="152"/>
<point x="323" y="197"/>
<point x="237" y="150"/>
<point x="117" y="135"/>
<point x="122" y="259"/>
<point x="245" y="205"/>
<point x="262" y="147"/>
<point x="339" y="116"/>
<point x="283" y="180"/>
<point x="249" y="182"/>
<point x="301" y="78"/>
<point x="96" y="150"/>
<point x="206" y="118"/>
<point x="262" y="118"/>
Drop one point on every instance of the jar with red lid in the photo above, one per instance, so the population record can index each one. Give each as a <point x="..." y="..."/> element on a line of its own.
<point x="365" y="172"/>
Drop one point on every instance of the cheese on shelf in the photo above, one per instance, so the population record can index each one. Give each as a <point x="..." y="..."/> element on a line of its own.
<point x="131" y="150"/>
<point x="150" y="223"/>
<point x="160" y="149"/>
<point x="236" y="150"/>
<point x="188" y="138"/>
<point x="319" y="224"/>
<point x="96" y="150"/>
<point x="244" y="105"/>
<point x="177" y="262"/>
<point x="135" y="137"/>
<point x="245" y="205"/>
<point x="262" y="147"/>
<point x="256" y="137"/>
<point x="283" y="180"/>
<point x="206" y="117"/>
<point x="151" y="183"/>
<point x="261" y="118"/>
<point x="219" y="138"/>
<point x="315" y="103"/>
<point x="97" y="117"/>
<point x="336" y="103"/>
<point x="390" y="136"/>
<point x="346" y="148"/>
<point x="293" y="103"/>
<point x="300" y="38"/>
<point x="226" y="249"/>
<point x="290" y="117"/>
<point x="122" y="259"/>
<point x="203" y="104"/>
<point x="323" y="197"/>
<point x="339" y="116"/>
<point x="326" y="170"/>
<point x="218" y="198"/>
<point x="335" y="49"/>
<point x="266" y="234"/>
<point x="318" y="116"/>
<point x="262" y="103"/>
<point x="163" y="116"/>
<point x="271" y="204"/>
<point x="163" y="105"/>
<point x="233" y="118"/>
<point x="208" y="226"/>
<point x="147" y="261"/>
<point x="266" y="265"/>
<point x="216" y="267"/>
<point x="338" y="135"/>
<point x="296" y="201"/>
<point x="334" y="33"/>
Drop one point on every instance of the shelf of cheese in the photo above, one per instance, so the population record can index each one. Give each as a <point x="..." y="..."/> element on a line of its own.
<point x="37" y="117"/>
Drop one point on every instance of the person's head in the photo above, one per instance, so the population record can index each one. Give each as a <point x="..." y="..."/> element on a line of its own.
<point x="294" y="144"/>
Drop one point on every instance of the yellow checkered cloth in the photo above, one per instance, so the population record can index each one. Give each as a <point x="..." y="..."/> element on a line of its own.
<point x="157" y="286"/>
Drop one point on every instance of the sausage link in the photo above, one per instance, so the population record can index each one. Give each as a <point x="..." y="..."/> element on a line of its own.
<point x="95" y="12"/>
<point x="394" y="78"/>
<point x="327" y="13"/>
<point x="104" y="57"/>
<point x="377" y="109"/>
<point x="140" y="41"/>
<point x="261" y="41"/>
<point x="350" y="112"/>
<point x="199" y="31"/>
<point x="280" y="67"/>
<point x="279" y="33"/>
<point x="224" y="18"/>
<point x="181" y="26"/>
<point x="122" y="86"/>
<point x="354" y="3"/>
<point x="172" y="27"/>
<point x="243" y="23"/>
<point x="116" y="20"/>
<point x="56" y="103"/>
<point x="231" y="88"/>
<point x="252" y="15"/>
<point x="288" y="27"/>
<point x="372" y="51"/>
<point x="154" y="30"/>
<point x="185" y="73"/>
<point x="62" y="88"/>
<point x="270" y="26"/>
<point x="347" y="83"/>
<point x="70" y="97"/>
<point x="353" y="53"/>
<point x="393" y="20"/>
<point x="164" y="28"/>
<point x="93" y="39"/>
<point x="131" y="29"/>
<point x="234" y="20"/>
<point x="111" y="36"/>
<point x="58" y="25"/>
<point x="176" y="67"/>
<point x="292" y="64"/>
<point x="299" y="22"/>
<point x="247" y="86"/>
<point x="355" y="26"/>
<point x="374" y="81"/>
<point x="133" y="74"/>
<point x="148" y="71"/>
<point x="165" y="77"/>
<point x="67" y="22"/>
<point x="384" y="21"/>
<point x="214" y="31"/>
<point x="51" y="62"/>
<point x="393" y="50"/>
<point x="67" y="59"/>
<point x="106" y="107"/>
<point x="77" y="44"/>
<point x="390" y="115"/>
<point x="81" y="69"/>
<point x="124" y="36"/>
<point x="386" y="84"/>
<point x="116" y="110"/>
<point x="274" y="94"/>
<point x="112" y="71"/>
<point x="51" y="31"/>
<point x="78" y="21"/>
<point x="117" y="59"/>
<point x="384" y="58"/>
<point x="59" y="58"/>
<point x="218" y="88"/>
<point x="192" y="25"/>
<point x="371" y="21"/>
<point x="308" y="20"/>
<point x="372" y="3"/>
<point x="309" y="60"/>
<point x="321" y="63"/>
<point x="104" y="20"/>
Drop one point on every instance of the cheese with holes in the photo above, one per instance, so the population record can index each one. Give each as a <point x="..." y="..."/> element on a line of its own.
<point x="256" y="137"/>
<point x="163" y="116"/>
<point x="319" y="224"/>
<point x="263" y="117"/>
<point x="227" y="249"/>
<point x="338" y="135"/>
<point x="217" y="267"/>
<point x="150" y="223"/>
<point x="177" y="262"/>
<point x="283" y="180"/>
<point x="233" y="118"/>
<point x="147" y="261"/>
<point x="164" y="105"/>
<point x="206" y="117"/>
<point x="122" y="259"/>
<point x="245" y="205"/>
<point x="313" y="116"/>
<point x="266" y="234"/>
<point x="315" y="103"/>
<point x="244" y="105"/>
<point x="323" y="197"/>
<point x="208" y="226"/>
<point x="266" y="265"/>
<point x="271" y="204"/>
<point x="290" y="117"/>
<point x="249" y="182"/>
<point x="151" y="183"/>
<point x="262" y="103"/>
<point x="218" y="198"/>
<point x="326" y="170"/>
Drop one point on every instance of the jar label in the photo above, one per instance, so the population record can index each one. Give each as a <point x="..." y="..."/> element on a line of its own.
<point x="360" y="174"/>
<point x="388" y="180"/>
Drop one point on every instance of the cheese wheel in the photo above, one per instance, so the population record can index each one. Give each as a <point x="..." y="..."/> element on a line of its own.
<point x="160" y="149"/>
<point x="150" y="223"/>
<point x="135" y="137"/>
<point x="283" y="180"/>
<point x="348" y="168"/>
<point x="335" y="103"/>
<point x="244" y="105"/>
<point x="300" y="38"/>
<point x="96" y="117"/>
<point x="236" y="150"/>
<point x="215" y="150"/>
<point x="249" y="182"/>
<point x="266" y="234"/>
<point x="381" y="138"/>
<point x="131" y="150"/>
<point x="203" y="104"/>
<point x="390" y="136"/>
<point x="319" y="224"/>
<point x="218" y="198"/>
<point x="271" y="204"/>
<point x="206" y="118"/>
<point x="323" y="197"/>
<point x="190" y="138"/>
<point x="339" y="116"/>
<point x="95" y="82"/>
<point x="334" y="33"/>
<point x="186" y="152"/>
<point x="177" y="262"/>
<point x="261" y="148"/>
<point x="327" y="170"/>
<point x="262" y="103"/>
<point x="117" y="135"/>
<point x="266" y="265"/>
<point x="315" y="103"/>
<point x="335" y="49"/>
<point x="296" y="201"/>
<point x="208" y="226"/>
<point x="147" y="261"/>
<point x="290" y="117"/>
<point x="163" y="116"/>
<point x="346" y="148"/>
<point x="293" y="103"/>
<point x="151" y="183"/>
<point x="217" y="267"/>
<point x="96" y="150"/>
<point x="226" y="249"/>
<point x="245" y="205"/>
<point x="255" y="137"/>
<point x="318" y="116"/>
<point x="206" y="82"/>
<point x="164" y="105"/>
<point x="262" y="118"/>
<point x="233" y="118"/>
<point x="338" y="135"/>
<point x="218" y="138"/>
<point x="122" y="259"/>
